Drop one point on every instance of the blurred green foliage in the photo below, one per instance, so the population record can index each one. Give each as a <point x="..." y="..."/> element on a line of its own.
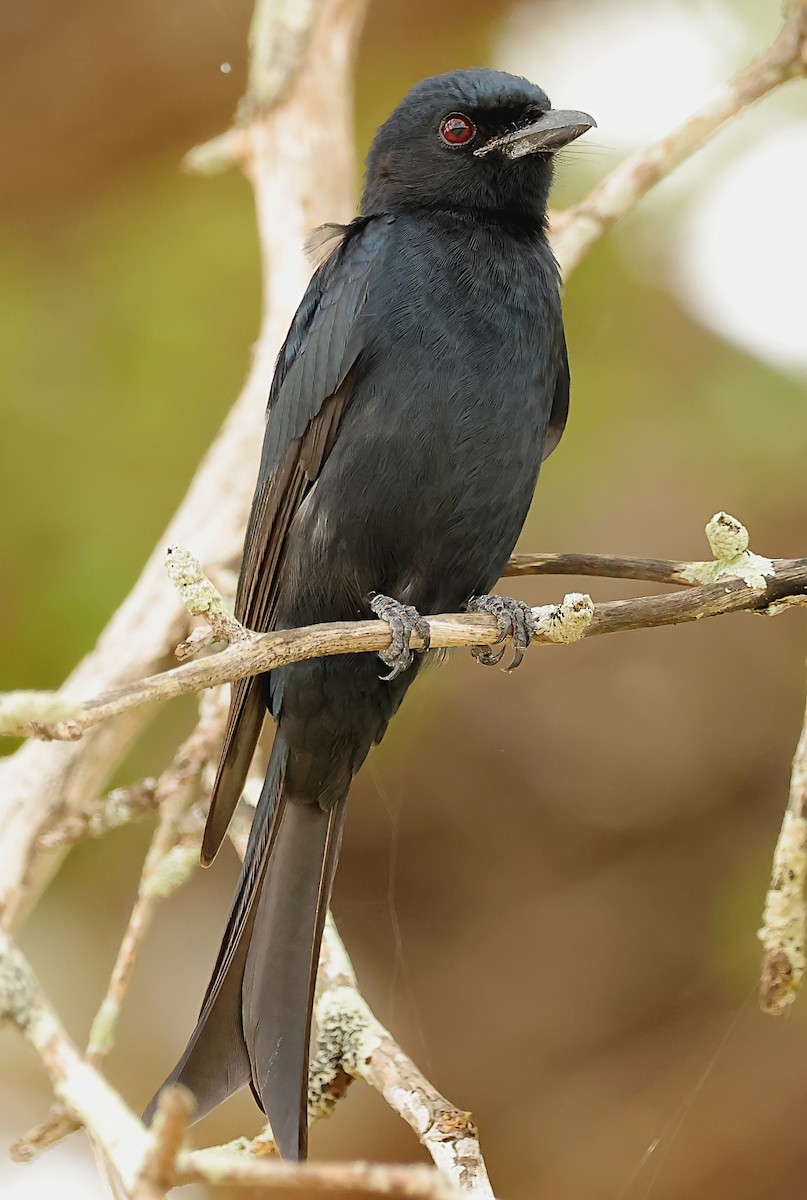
<point x="124" y="337"/>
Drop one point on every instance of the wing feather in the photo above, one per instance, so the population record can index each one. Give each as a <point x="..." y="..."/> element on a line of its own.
<point x="310" y="388"/>
<point x="560" y="405"/>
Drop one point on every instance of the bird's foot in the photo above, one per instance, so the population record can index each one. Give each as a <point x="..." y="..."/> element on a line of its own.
<point x="403" y="620"/>
<point x="514" y="618"/>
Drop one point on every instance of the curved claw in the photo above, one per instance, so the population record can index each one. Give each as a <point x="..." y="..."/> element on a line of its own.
<point x="403" y="620"/>
<point x="485" y="655"/>
<point x="512" y="617"/>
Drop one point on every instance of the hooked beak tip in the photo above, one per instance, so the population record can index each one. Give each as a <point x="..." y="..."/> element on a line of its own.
<point x="550" y="132"/>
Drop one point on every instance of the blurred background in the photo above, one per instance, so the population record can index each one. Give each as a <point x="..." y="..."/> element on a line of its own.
<point x="551" y="882"/>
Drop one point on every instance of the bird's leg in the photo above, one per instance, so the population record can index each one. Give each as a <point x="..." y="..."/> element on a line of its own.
<point x="513" y="617"/>
<point x="403" y="620"/>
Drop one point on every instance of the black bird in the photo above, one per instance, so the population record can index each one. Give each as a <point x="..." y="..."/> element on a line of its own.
<point x="423" y="380"/>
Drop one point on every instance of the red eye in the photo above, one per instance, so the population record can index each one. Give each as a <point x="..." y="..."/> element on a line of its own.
<point x="457" y="129"/>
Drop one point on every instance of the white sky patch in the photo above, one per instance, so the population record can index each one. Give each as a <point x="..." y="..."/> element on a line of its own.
<point x="68" y="1171"/>
<point x="741" y="254"/>
<point x="639" y="68"/>
<point x="725" y="231"/>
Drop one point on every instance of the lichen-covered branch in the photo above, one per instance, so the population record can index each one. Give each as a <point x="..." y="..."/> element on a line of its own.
<point x="784" y="922"/>
<point x="119" y="807"/>
<point x="738" y="580"/>
<point x="727" y="538"/>
<point x="352" y="1042"/>
<point x="201" y="599"/>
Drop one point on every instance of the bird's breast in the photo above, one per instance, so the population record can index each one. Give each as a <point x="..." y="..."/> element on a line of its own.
<point x="438" y="450"/>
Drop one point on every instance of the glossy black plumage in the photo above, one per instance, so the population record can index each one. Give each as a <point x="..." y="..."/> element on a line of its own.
<point x="423" y="379"/>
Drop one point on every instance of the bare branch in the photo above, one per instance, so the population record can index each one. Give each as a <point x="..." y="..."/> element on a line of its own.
<point x="603" y="566"/>
<point x="158" y="1170"/>
<point x="577" y="230"/>
<point x="221" y="1167"/>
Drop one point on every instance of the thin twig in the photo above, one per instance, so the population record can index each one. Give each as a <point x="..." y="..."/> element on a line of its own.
<point x="201" y="599"/>
<point x="167" y="864"/>
<point x="728" y="540"/>
<point x="119" y="807"/>
<point x="57" y="1125"/>
<point x="221" y="1167"/>
<point x="602" y="566"/>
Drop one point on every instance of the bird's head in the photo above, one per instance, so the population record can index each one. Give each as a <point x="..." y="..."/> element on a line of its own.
<point x="476" y="139"/>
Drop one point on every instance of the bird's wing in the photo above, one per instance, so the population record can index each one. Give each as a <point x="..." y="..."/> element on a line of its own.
<point x="311" y="385"/>
<point x="560" y="404"/>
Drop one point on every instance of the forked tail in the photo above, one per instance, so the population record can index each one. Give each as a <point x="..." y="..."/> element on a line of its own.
<point x="255" y="1022"/>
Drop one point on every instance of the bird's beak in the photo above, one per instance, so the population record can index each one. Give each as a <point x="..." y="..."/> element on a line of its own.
<point x="549" y="133"/>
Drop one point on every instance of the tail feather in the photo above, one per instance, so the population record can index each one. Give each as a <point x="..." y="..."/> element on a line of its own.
<point x="281" y="967"/>
<point x="215" y="1063"/>
<point x="244" y="723"/>
<point x="255" y="1022"/>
